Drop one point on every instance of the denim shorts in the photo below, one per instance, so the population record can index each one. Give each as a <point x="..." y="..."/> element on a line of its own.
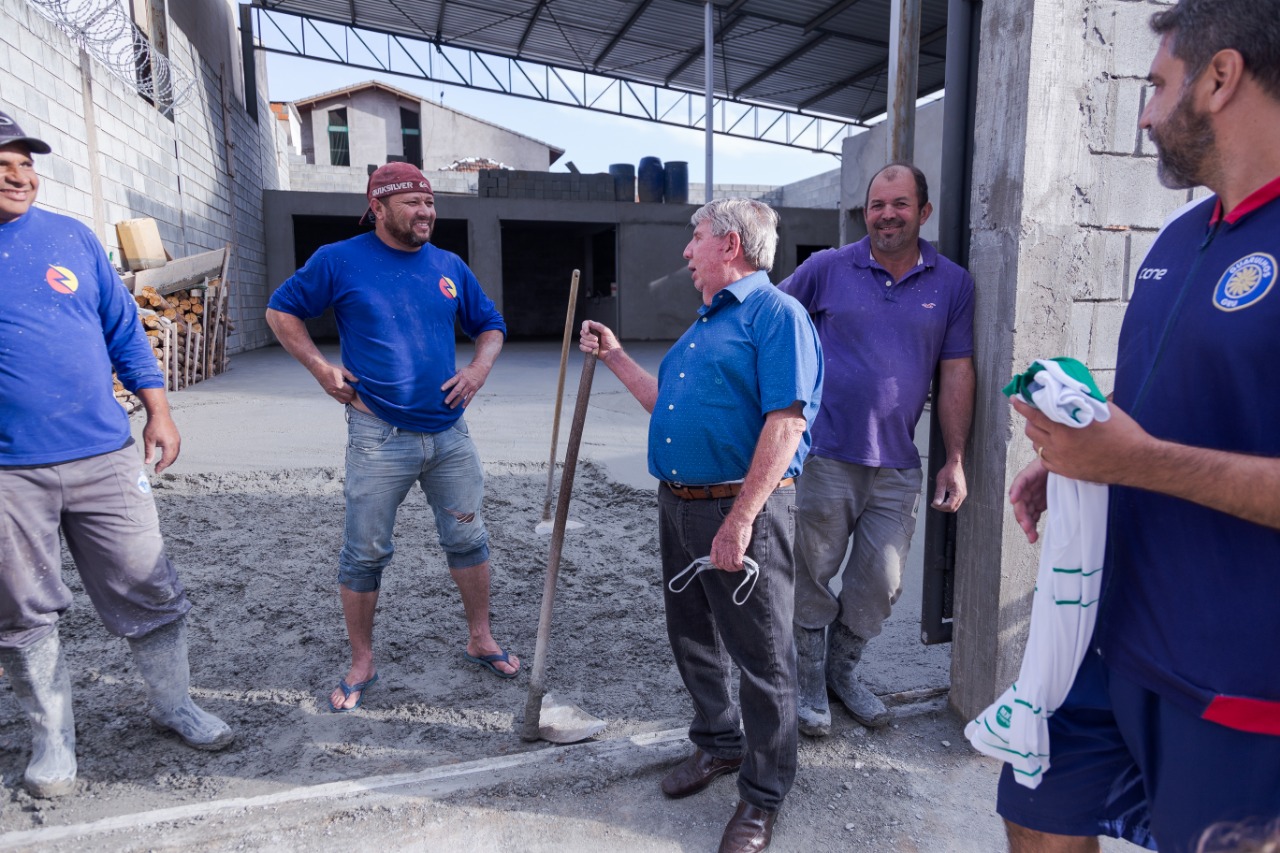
<point x="383" y="463"/>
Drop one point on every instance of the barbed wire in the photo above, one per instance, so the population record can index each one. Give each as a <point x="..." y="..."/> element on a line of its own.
<point x="107" y="33"/>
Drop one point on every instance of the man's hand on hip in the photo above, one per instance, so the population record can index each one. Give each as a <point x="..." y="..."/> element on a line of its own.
<point x="337" y="382"/>
<point x="464" y="385"/>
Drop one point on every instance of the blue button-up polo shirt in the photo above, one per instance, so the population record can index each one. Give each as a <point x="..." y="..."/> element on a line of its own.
<point x="752" y="351"/>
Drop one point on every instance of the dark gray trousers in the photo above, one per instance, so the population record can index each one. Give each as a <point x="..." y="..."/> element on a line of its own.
<point x="708" y="632"/>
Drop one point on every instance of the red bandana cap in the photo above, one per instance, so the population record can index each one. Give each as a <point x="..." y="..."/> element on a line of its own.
<point x="392" y="179"/>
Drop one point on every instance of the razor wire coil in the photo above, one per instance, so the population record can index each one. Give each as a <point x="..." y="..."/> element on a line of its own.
<point x="106" y="32"/>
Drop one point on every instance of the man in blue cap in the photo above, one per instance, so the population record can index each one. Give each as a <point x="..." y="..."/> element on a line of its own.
<point x="68" y="466"/>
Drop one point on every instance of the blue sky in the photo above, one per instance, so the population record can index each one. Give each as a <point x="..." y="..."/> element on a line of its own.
<point x="592" y="140"/>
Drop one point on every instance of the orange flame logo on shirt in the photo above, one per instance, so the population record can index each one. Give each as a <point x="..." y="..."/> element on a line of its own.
<point x="448" y="288"/>
<point x="62" y="279"/>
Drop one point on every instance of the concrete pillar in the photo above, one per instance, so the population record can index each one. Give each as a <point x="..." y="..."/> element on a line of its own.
<point x="1064" y="202"/>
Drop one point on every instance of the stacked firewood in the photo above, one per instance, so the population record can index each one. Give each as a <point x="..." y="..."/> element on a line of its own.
<point x="187" y="330"/>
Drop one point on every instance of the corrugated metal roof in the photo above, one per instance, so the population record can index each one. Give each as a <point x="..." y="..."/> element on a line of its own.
<point x="827" y="57"/>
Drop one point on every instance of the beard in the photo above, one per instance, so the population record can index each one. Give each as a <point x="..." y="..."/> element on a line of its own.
<point x="1185" y="144"/>
<point x="404" y="233"/>
<point x="893" y="243"/>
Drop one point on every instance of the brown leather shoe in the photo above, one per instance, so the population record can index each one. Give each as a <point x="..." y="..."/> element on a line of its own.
<point x="696" y="772"/>
<point x="749" y="830"/>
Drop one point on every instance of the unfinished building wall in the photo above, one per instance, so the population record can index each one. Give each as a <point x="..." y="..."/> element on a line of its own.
<point x="1065" y="203"/>
<point x="200" y="175"/>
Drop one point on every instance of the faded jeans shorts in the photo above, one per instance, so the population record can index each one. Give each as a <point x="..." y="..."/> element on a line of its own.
<point x="383" y="463"/>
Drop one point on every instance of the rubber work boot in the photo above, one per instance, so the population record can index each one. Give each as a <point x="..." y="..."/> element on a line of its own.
<point x="844" y="652"/>
<point x="161" y="657"/>
<point x="43" y="689"/>
<point x="811" y="657"/>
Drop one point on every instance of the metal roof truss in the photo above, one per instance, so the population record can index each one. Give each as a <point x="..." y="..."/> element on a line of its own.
<point x="293" y="34"/>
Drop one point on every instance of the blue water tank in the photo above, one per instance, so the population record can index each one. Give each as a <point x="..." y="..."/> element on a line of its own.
<point x="649" y="179"/>
<point x="624" y="181"/>
<point x="675" y="188"/>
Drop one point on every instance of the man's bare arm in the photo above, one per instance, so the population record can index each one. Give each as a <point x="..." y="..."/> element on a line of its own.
<point x="774" y="451"/>
<point x="292" y="333"/>
<point x="956" y="385"/>
<point x="598" y="338"/>
<point x="160" y="430"/>
<point x="1119" y="451"/>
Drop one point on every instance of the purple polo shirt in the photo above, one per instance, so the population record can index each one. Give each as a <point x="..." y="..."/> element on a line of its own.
<point x="881" y="341"/>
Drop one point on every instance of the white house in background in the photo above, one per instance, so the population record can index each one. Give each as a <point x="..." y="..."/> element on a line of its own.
<point x="342" y="133"/>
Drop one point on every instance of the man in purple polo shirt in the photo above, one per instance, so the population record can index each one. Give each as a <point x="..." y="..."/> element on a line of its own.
<point x="889" y="310"/>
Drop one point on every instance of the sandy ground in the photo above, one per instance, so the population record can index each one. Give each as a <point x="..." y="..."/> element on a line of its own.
<point x="252" y="515"/>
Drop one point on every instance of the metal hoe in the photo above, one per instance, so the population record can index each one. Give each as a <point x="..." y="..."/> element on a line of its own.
<point x="544" y="526"/>
<point x="547" y="717"/>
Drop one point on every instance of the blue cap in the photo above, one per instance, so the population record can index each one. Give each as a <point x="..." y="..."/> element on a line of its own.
<point x="11" y="132"/>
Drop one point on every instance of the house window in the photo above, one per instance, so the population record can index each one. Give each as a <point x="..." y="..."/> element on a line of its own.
<point x="339" y="139"/>
<point x="411" y="136"/>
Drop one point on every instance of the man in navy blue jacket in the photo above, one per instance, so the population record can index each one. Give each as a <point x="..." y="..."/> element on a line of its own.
<point x="1173" y="722"/>
<point x="68" y="466"/>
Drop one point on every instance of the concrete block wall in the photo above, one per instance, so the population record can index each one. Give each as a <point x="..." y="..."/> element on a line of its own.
<point x="822" y="190"/>
<point x="201" y="184"/>
<point x="552" y="186"/>
<point x="307" y="178"/>
<point x="770" y="194"/>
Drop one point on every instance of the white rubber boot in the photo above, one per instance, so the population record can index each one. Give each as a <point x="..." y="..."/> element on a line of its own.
<point x="161" y="657"/>
<point x="43" y="689"/>
<point x="812" y="710"/>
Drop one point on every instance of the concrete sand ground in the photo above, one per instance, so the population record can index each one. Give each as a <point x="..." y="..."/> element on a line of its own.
<point x="252" y="515"/>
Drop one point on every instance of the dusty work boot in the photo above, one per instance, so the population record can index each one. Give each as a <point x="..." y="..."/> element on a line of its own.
<point x="844" y="652"/>
<point x="162" y="659"/>
<point x="43" y="689"/>
<point x="811" y="706"/>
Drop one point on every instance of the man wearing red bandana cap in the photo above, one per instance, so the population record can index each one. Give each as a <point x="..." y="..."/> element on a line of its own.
<point x="396" y="299"/>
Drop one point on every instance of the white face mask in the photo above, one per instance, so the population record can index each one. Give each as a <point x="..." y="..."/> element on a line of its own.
<point x="749" y="567"/>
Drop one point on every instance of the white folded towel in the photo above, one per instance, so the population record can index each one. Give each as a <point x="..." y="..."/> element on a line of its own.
<point x="1015" y="727"/>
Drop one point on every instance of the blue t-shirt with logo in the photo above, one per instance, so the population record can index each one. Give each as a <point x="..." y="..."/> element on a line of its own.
<point x="395" y="312"/>
<point x="1189" y="608"/>
<point x="66" y="320"/>
<point x="752" y="351"/>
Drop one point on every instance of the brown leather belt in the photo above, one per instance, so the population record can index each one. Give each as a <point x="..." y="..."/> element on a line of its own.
<point x="717" y="490"/>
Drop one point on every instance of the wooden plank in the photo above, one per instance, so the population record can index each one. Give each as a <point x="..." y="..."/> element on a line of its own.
<point x="182" y="273"/>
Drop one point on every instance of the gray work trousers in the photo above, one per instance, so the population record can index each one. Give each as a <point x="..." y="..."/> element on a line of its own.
<point x="104" y="507"/>
<point x="877" y="507"/>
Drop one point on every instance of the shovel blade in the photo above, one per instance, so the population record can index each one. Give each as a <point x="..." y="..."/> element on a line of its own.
<point x="564" y="722"/>
<point x="544" y="528"/>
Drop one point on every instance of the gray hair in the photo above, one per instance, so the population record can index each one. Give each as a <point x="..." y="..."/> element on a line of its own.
<point x="1198" y="29"/>
<point x="755" y="223"/>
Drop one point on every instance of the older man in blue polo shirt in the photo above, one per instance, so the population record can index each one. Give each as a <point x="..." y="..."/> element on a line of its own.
<point x="731" y="406"/>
